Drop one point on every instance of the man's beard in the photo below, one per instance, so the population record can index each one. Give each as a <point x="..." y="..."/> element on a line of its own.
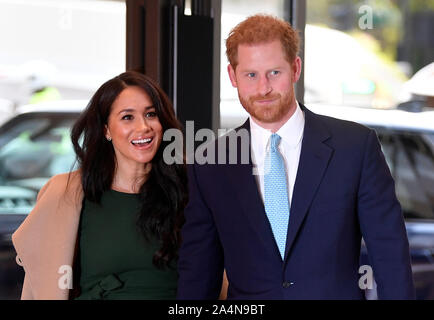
<point x="270" y="113"/>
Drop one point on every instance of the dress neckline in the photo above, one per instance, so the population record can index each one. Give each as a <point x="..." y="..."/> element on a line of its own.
<point x="124" y="193"/>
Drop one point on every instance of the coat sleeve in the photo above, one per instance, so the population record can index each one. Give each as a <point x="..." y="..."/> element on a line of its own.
<point x="26" y="293"/>
<point x="200" y="263"/>
<point x="46" y="238"/>
<point x="382" y="225"/>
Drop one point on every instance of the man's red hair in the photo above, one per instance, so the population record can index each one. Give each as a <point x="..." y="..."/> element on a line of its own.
<point x="262" y="28"/>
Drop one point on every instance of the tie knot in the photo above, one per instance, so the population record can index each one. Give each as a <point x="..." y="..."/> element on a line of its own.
<point x="274" y="141"/>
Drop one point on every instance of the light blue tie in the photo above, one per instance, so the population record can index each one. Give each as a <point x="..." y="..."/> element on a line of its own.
<point x="276" y="193"/>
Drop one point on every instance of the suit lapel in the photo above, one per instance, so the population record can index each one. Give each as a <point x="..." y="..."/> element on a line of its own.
<point x="314" y="158"/>
<point x="249" y="197"/>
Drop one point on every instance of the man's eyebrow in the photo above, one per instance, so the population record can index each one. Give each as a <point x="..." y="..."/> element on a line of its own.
<point x="247" y="70"/>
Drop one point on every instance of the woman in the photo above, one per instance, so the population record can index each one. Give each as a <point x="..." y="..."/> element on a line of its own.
<point x="116" y="221"/>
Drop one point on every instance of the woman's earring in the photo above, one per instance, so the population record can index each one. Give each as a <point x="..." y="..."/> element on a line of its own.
<point x="109" y="139"/>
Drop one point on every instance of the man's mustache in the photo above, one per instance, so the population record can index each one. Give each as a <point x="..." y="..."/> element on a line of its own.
<point x="266" y="97"/>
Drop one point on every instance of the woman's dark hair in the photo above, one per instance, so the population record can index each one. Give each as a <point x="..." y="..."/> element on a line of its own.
<point x="164" y="194"/>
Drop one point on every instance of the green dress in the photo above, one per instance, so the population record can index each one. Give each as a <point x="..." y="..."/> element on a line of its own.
<point x="114" y="258"/>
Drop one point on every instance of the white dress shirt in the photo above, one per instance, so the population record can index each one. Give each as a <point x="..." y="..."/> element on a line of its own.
<point x="291" y="134"/>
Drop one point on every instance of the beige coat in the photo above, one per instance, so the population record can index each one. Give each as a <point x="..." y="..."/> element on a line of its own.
<point x="46" y="239"/>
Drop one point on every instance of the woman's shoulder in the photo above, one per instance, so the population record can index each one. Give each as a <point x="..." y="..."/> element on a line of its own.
<point x="62" y="183"/>
<point x="64" y="178"/>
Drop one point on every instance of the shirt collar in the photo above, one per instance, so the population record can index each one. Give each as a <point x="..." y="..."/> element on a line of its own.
<point x="292" y="131"/>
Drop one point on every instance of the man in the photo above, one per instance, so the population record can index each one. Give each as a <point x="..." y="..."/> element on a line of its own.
<point x="292" y="231"/>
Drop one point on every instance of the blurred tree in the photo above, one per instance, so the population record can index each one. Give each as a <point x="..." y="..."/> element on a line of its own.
<point x="387" y="26"/>
<point x="421" y="5"/>
<point x="417" y="44"/>
<point x="401" y="27"/>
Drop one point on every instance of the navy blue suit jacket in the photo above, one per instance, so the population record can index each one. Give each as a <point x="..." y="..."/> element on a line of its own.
<point x="343" y="191"/>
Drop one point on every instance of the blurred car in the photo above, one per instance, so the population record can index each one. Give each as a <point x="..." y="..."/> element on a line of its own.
<point x="407" y="140"/>
<point x="6" y="110"/>
<point x="34" y="145"/>
<point x="421" y="85"/>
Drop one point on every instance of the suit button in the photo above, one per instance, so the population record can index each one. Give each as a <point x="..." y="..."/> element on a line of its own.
<point x="287" y="284"/>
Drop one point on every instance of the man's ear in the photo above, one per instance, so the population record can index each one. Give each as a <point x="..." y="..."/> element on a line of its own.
<point x="296" y="69"/>
<point x="232" y="76"/>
